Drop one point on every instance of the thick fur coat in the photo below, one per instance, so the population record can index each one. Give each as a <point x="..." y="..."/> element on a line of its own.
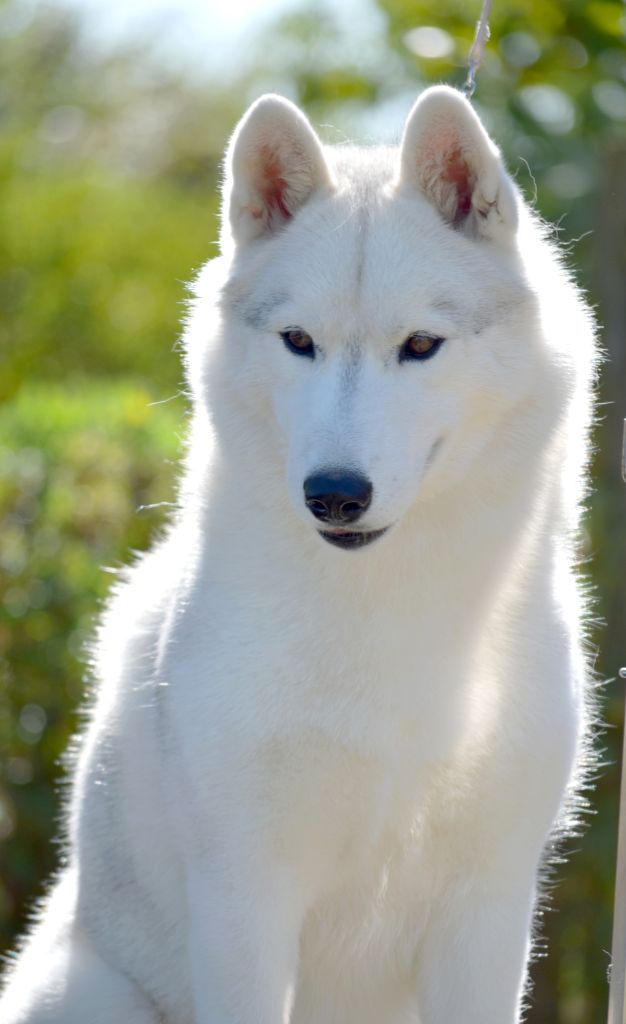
<point x="340" y="706"/>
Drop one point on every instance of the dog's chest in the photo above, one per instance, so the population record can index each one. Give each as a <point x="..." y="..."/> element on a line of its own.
<point x="338" y="815"/>
<point x="368" y="924"/>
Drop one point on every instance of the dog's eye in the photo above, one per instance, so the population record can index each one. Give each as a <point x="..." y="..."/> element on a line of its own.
<point x="298" y="341"/>
<point x="420" y="345"/>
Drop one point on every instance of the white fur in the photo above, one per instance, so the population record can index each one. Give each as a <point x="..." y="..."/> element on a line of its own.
<point x="316" y="784"/>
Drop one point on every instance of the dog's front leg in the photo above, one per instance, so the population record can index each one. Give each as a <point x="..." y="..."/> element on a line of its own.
<point x="473" y="958"/>
<point x="244" y="925"/>
<point x="473" y="954"/>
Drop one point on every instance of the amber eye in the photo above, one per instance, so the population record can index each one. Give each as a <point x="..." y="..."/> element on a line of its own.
<point x="419" y="345"/>
<point x="298" y="341"/>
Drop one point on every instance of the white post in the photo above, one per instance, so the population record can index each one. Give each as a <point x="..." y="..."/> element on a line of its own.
<point x="617" y="992"/>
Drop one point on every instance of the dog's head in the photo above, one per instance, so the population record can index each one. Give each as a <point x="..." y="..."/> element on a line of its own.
<point x="376" y="312"/>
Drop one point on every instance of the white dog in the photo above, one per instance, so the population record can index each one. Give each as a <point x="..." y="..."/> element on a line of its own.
<point x="340" y="706"/>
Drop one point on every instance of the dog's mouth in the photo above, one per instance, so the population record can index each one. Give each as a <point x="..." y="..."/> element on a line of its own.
<point x="350" y="539"/>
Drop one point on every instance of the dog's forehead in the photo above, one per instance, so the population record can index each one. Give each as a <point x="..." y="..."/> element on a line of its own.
<point x="370" y="269"/>
<point x="367" y="261"/>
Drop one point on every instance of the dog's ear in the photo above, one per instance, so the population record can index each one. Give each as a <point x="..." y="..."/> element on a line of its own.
<point x="274" y="163"/>
<point x="447" y="154"/>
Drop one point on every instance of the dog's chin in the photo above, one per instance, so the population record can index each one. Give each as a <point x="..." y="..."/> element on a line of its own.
<point x="351" y="540"/>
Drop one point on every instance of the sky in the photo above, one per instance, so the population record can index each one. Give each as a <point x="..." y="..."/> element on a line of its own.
<point x="181" y="32"/>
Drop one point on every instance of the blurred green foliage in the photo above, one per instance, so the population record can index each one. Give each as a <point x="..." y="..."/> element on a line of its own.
<point x="108" y="205"/>
<point x="77" y="462"/>
<point x="108" y="172"/>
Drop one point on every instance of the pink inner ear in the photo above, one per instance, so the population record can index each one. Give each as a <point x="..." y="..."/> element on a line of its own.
<point x="272" y="188"/>
<point x="458" y="174"/>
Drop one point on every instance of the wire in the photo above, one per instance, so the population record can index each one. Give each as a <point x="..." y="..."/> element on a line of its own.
<point x="477" y="51"/>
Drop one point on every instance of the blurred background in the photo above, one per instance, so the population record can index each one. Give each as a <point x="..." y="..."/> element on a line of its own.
<point x="113" y="119"/>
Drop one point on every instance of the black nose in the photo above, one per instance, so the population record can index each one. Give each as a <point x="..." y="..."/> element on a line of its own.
<point x="336" y="496"/>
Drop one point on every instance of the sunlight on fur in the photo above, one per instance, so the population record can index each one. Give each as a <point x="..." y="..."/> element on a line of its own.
<point x="340" y="711"/>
